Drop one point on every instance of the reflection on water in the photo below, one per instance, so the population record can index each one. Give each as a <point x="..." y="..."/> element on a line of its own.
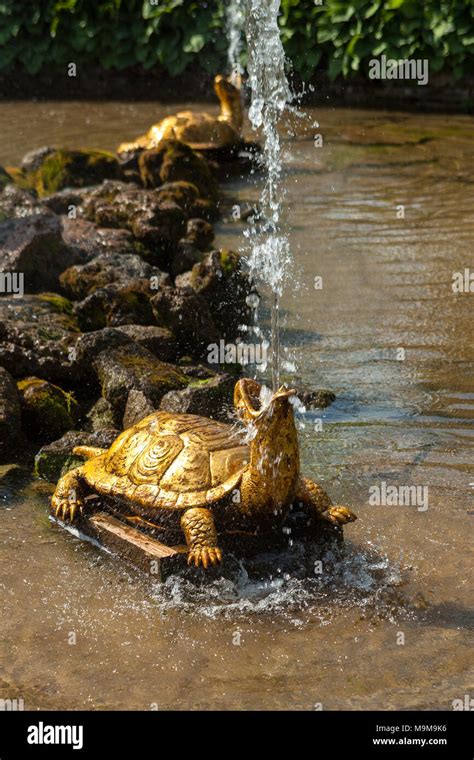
<point x="403" y="417"/>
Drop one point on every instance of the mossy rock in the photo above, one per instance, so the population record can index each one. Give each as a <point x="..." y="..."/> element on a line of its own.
<point x="56" y="458"/>
<point x="37" y="332"/>
<point x="21" y="178"/>
<point x="47" y="411"/>
<point x="185" y="194"/>
<point x="73" y="168"/>
<point x="221" y="279"/>
<point x="174" y="161"/>
<point x="132" y="367"/>
<point x="208" y="397"/>
<point x="61" y="305"/>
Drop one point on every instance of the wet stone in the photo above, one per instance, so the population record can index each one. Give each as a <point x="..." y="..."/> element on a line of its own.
<point x="199" y="233"/>
<point x="189" y="318"/>
<point x="209" y="398"/>
<point x="34" y="247"/>
<point x="158" y="340"/>
<point x="47" y="410"/>
<point x="37" y="333"/>
<point x="114" y="305"/>
<point x="138" y="407"/>
<point x="132" y="367"/>
<point x="107" y="269"/>
<point x="16" y="203"/>
<point x="102" y="416"/>
<point x="56" y="458"/>
<point x="91" y="241"/>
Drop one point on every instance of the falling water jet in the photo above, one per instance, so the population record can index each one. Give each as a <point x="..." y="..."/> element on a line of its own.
<point x="270" y="94"/>
<point x="235" y="23"/>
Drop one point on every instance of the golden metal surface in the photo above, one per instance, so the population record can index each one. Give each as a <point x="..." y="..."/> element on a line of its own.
<point x="198" y="130"/>
<point x="200" y="471"/>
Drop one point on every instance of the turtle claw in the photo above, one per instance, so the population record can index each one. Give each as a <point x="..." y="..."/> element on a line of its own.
<point x="205" y="556"/>
<point x="66" y="509"/>
<point x="339" y="515"/>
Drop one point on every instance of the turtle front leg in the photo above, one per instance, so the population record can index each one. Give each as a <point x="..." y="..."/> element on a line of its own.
<point x="68" y="498"/>
<point x="318" y="504"/>
<point x="201" y="537"/>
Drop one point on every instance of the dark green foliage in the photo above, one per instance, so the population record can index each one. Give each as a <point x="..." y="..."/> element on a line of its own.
<point x="337" y="36"/>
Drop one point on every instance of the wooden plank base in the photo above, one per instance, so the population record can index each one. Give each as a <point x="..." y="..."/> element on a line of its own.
<point x="128" y="543"/>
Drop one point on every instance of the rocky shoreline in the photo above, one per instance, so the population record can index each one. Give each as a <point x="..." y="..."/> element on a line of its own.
<point x="111" y="293"/>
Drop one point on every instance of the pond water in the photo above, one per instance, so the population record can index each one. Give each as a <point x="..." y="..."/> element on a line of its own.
<point x="385" y="626"/>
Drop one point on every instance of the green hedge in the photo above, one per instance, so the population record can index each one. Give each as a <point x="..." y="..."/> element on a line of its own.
<point x="338" y="36"/>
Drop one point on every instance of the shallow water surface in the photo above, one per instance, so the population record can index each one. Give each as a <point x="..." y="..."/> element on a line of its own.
<point x="387" y="624"/>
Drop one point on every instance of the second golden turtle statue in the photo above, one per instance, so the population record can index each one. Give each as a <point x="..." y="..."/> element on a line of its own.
<point x="201" y="131"/>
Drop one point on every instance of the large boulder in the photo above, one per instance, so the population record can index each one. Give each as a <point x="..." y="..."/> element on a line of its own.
<point x="46" y="410"/>
<point x="211" y="397"/>
<point x="174" y="161"/>
<point x="160" y="341"/>
<point x="199" y="233"/>
<point x="157" y="223"/>
<point x="10" y="415"/>
<point x="107" y="269"/>
<point x="37" y="333"/>
<point x="132" y="367"/>
<point x="56" y="458"/>
<point x="221" y="281"/>
<point x="34" y="248"/>
<point x="72" y="168"/>
<point x="116" y="304"/>
<point x="90" y="241"/>
<point x="188" y="316"/>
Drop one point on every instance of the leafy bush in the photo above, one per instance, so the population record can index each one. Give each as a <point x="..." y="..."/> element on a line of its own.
<point x="339" y="36"/>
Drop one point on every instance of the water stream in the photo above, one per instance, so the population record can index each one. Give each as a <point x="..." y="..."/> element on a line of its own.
<point x="235" y="24"/>
<point x="270" y="256"/>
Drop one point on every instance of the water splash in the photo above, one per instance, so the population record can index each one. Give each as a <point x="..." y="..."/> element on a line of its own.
<point x="270" y="254"/>
<point x="366" y="581"/>
<point x="235" y="23"/>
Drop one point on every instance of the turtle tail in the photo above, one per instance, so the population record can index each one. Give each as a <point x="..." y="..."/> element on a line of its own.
<point x="88" y="452"/>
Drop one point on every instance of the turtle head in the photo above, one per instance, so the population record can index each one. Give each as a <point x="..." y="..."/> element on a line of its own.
<point x="230" y="99"/>
<point x="268" y="487"/>
<point x="255" y="406"/>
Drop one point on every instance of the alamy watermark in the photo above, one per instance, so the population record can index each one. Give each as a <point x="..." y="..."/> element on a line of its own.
<point x="237" y="353"/>
<point x="404" y="68"/>
<point x="383" y="495"/>
<point x="12" y="282"/>
<point x="463" y="282"/>
<point x="12" y="705"/>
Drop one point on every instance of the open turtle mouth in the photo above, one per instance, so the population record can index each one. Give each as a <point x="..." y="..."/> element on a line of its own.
<point x="256" y="398"/>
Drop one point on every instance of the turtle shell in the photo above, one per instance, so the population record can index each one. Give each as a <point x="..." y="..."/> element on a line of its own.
<point x="199" y="131"/>
<point x="170" y="461"/>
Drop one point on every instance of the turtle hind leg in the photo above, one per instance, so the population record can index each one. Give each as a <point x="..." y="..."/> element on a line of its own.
<point x="318" y="504"/>
<point x="201" y="537"/>
<point x="68" y="498"/>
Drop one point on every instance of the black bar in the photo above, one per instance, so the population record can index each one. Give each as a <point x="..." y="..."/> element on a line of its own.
<point x="134" y="734"/>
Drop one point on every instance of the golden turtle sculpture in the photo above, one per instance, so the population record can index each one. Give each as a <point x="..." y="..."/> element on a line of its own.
<point x="200" y="131"/>
<point x="182" y="469"/>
